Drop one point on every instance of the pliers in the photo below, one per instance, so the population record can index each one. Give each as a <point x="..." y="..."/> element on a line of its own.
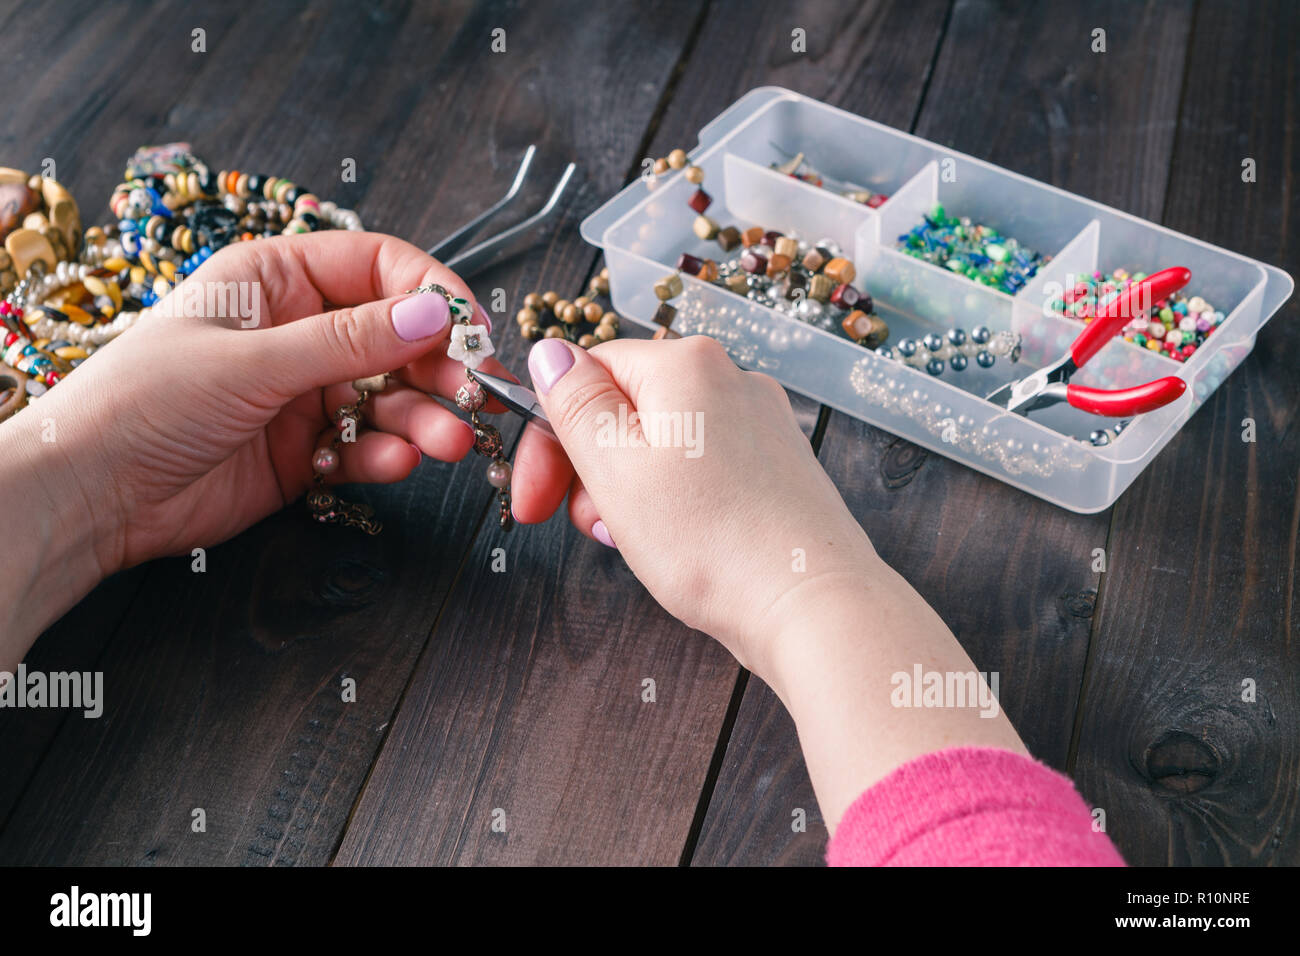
<point x="1051" y="384"/>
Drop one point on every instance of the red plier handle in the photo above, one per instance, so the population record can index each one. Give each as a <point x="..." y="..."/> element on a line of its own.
<point x="1126" y="402"/>
<point x="1128" y="305"/>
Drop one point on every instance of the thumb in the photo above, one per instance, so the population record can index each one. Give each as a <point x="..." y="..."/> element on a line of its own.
<point x="578" y="394"/>
<point x="357" y="341"/>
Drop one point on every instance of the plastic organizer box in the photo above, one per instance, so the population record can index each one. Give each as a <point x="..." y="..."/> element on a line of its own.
<point x="645" y="228"/>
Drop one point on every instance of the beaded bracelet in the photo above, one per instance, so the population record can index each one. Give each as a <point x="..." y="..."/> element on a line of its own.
<point x="325" y="506"/>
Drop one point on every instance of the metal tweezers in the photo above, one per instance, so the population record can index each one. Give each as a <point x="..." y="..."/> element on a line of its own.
<point x="497" y="247"/>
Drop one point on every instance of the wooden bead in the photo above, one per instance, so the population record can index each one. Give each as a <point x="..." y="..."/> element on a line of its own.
<point x="752" y="236"/>
<point x="737" y="282"/>
<point x="610" y="319"/>
<point x="372" y="383"/>
<point x="592" y="312"/>
<point x="669" y="287"/>
<point x="820" y="287"/>
<point x="526" y="315"/>
<point x="677" y="158"/>
<point x="856" y="324"/>
<point x="604" y="273"/>
<point x="581" y="301"/>
<point x="814" y="261"/>
<point x="728" y="238"/>
<point x="571" y="315"/>
<point x="25" y="246"/>
<point x="555" y="332"/>
<point x="550" y="298"/>
<point x="587" y="341"/>
<point x="532" y="331"/>
<point x="694" y="175"/>
<point x="559" y="307"/>
<point x="840" y="270"/>
<point x="708" y="270"/>
<point x="700" y="201"/>
<point x="785" y="246"/>
<point x="778" y="265"/>
<point x="665" y="314"/>
<point x="604" y="333"/>
<point x="705" y="227"/>
<point x="600" y="284"/>
<point x="534" y="301"/>
<point x="661" y="167"/>
<point x="664" y="332"/>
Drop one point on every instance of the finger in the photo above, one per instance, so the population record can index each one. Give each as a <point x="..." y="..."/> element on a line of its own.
<point x="348" y="343"/>
<point x="339" y="267"/>
<point x="585" y="517"/>
<point x="436" y="431"/>
<point x="542" y="476"/>
<point x="373" y="457"/>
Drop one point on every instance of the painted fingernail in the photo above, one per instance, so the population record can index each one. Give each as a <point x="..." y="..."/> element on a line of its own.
<point x="420" y="316"/>
<point x="601" y="534"/>
<point x="483" y="317"/>
<point x="548" y="360"/>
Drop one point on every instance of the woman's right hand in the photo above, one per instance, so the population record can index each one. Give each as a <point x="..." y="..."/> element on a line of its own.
<point x="727" y="518"/>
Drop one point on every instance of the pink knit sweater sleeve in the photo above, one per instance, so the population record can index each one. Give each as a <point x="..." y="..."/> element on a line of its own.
<point x="970" y="806"/>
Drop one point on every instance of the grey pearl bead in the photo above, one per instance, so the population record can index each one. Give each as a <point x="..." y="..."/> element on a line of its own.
<point x="985" y="359"/>
<point x="980" y="334"/>
<point x="906" y="348"/>
<point x="934" y="366"/>
<point x="958" y="362"/>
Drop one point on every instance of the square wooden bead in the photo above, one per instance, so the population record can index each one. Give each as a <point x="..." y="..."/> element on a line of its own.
<point x="753" y="262"/>
<point x="841" y="270"/>
<point x="689" y="264"/>
<point x="699" y="201"/>
<point x="785" y="246"/>
<point x="728" y="238"/>
<point x="738" y="282"/>
<point x="856" y="324"/>
<point x="778" y="265"/>
<point x="708" y="271"/>
<point x="845" y="296"/>
<point x="705" y="227"/>
<point x="665" y="314"/>
<point x="665" y="333"/>
<point x="752" y="236"/>
<point x="814" y="261"/>
<point x="820" y="287"/>
<point x="669" y="287"/>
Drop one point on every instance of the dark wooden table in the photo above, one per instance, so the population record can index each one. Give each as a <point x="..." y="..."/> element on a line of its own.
<point x="516" y="696"/>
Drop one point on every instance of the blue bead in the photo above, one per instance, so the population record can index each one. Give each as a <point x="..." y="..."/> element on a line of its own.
<point x="957" y="337"/>
<point x="933" y="342"/>
<point x="980" y="334"/>
<point x="906" y="348"/>
<point x="934" y="366"/>
<point x="958" y="362"/>
<point x="985" y="359"/>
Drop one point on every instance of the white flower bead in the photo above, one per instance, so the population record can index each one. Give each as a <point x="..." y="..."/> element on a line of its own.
<point x="469" y="344"/>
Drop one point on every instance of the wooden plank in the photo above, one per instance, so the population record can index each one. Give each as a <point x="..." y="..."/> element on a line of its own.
<point x="1041" y="110"/>
<point x="529" y="697"/>
<point x="223" y="688"/>
<point x="1200" y="591"/>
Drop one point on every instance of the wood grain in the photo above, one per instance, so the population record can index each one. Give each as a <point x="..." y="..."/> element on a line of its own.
<point x="1041" y="112"/>
<point x="1200" y="591"/>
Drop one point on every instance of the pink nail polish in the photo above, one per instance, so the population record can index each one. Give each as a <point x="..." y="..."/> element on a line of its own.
<point x="483" y="317"/>
<point x="420" y="316"/>
<point x="547" y="361"/>
<point x="601" y="534"/>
